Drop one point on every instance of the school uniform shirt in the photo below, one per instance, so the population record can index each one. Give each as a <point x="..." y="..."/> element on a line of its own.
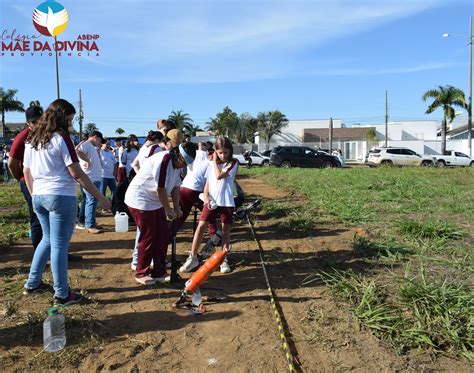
<point x="157" y="171"/>
<point x="128" y="157"/>
<point x="146" y="152"/>
<point x="221" y="191"/>
<point x="94" y="171"/>
<point x="108" y="163"/>
<point x="17" y="150"/>
<point x="49" y="166"/>
<point x="201" y="155"/>
<point x="197" y="175"/>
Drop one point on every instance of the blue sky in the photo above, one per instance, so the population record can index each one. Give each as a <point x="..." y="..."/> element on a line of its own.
<point x="309" y="59"/>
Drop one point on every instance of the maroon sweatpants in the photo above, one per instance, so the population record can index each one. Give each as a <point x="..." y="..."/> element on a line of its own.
<point x="187" y="199"/>
<point x="121" y="174"/>
<point x="153" y="241"/>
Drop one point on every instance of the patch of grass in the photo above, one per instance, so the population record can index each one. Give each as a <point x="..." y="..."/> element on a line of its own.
<point x="429" y="229"/>
<point x="367" y="248"/>
<point x="442" y="314"/>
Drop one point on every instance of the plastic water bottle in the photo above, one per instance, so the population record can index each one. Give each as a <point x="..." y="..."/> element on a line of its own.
<point x="54" y="333"/>
<point x="121" y="222"/>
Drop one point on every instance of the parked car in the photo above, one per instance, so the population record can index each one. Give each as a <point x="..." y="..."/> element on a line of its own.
<point x="258" y="159"/>
<point x="454" y="158"/>
<point x="301" y="156"/>
<point x="266" y="153"/>
<point x="393" y="156"/>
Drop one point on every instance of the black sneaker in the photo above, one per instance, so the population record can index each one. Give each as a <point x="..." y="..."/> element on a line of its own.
<point x="74" y="258"/>
<point x="41" y="288"/>
<point x="71" y="299"/>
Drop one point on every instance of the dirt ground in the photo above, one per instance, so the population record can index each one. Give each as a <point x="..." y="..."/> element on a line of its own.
<point x="126" y="327"/>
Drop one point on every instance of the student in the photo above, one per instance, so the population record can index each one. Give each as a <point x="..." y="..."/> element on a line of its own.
<point x="15" y="163"/>
<point x="51" y="169"/>
<point x="122" y="170"/>
<point x="147" y="200"/>
<point x="109" y="169"/>
<point x="129" y="155"/>
<point x="150" y="147"/>
<point x="33" y="114"/>
<point x="88" y="152"/>
<point x="218" y="199"/>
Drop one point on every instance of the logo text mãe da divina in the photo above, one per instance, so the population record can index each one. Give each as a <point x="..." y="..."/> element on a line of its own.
<point x="60" y="46"/>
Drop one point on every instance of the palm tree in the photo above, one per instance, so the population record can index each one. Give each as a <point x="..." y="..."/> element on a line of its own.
<point x="246" y="127"/>
<point x="8" y="102"/>
<point x="271" y="123"/>
<point x="191" y="129"/>
<point x="119" y="131"/>
<point x="179" y="119"/>
<point x="35" y="103"/>
<point x="90" y="127"/>
<point x="445" y="97"/>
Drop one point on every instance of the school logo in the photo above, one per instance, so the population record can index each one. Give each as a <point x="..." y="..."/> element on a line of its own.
<point x="50" y="18"/>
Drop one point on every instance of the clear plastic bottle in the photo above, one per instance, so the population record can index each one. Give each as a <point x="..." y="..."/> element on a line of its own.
<point x="54" y="333"/>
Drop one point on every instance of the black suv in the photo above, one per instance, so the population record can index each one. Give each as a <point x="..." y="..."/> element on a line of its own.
<point x="302" y="156"/>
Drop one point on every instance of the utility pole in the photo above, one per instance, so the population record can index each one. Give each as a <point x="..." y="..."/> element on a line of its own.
<point x="81" y="115"/>
<point x="330" y="135"/>
<point x="386" y="119"/>
<point x="57" y="67"/>
<point x="469" y="114"/>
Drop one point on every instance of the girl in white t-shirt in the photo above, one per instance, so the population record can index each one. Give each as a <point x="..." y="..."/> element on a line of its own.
<point x="218" y="198"/>
<point x="51" y="169"/>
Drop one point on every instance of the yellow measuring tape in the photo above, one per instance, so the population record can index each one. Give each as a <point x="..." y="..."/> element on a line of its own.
<point x="278" y="317"/>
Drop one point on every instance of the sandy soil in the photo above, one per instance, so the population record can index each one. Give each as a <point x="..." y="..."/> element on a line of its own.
<point x="130" y="328"/>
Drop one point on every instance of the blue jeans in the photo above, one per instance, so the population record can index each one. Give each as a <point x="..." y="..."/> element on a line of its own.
<point x="135" y="248"/>
<point x="88" y="207"/>
<point x="56" y="215"/>
<point x="35" y="226"/>
<point x="108" y="182"/>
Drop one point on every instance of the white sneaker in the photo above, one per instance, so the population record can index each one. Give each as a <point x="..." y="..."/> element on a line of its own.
<point x="80" y="226"/>
<point x="133" y="267"/>
<point x="225" y="267"/>
<point x="190" y="263"/>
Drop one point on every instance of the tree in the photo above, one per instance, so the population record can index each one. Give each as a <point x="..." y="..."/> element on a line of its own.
<point x="246" y="128"/>
<point x="191" y="129"/>
<point x="35" y="103"/>
<point x="90" y="127"/>
<point x="179" y="119"/>
<point x="225" y="123"/>
<point x="8" y="102"/>
<point x="445" y="97"/>
<point x="271" y="123"/>
<point x="119" y="131"/>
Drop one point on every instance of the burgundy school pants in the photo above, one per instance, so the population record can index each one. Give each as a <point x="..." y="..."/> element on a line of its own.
<point x="187" y="199"/>
<point x="153" y="241"/>
<point x="121" y="174"/>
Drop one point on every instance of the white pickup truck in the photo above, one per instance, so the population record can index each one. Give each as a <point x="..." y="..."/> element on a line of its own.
<point x="453" y="158"/>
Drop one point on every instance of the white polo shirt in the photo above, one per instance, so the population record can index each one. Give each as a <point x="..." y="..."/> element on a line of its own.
<point x="157" y="171"/>
<point x="48" y="166"/>
<point x="196" y="177"/>
<point x="146" y="152"/>
<point x="221" y="191"/>
<point x="94" y="171"/>
<point x="201" y="155"/>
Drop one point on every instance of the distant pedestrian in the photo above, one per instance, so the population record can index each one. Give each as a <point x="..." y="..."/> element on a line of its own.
<point x="129" y="154"/>
<point x="5" y="156"/>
